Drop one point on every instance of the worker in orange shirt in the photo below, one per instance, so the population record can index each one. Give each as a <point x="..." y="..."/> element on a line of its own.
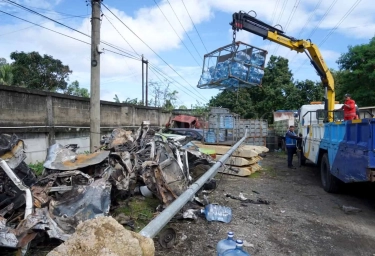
<point x="349" y="108"/>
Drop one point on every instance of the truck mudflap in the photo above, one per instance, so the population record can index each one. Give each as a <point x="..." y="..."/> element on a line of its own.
<point x="350" y="147"/>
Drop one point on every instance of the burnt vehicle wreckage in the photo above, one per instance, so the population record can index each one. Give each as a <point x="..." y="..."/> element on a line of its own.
<point x="77" y="187"/>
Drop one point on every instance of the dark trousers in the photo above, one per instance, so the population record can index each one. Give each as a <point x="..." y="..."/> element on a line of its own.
<point x="291" y="152"/>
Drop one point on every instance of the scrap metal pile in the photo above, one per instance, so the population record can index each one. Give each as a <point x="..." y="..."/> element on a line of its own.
<point x="76" y="187"/>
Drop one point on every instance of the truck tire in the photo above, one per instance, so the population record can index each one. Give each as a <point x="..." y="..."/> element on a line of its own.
<point x="301" y="158"/>
<point x="329" y="182"/>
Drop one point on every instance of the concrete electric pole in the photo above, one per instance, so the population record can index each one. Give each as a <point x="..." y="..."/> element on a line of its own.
<point x="95" y="76"/>
<point x="146" y="82"/>
<point x="143" y="82"/>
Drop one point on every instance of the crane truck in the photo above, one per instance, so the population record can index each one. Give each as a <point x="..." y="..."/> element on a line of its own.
<point x="344" y="150"/>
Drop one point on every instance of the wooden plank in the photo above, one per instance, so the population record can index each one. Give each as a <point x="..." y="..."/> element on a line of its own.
<point x="221" y="150"/>
<point x="241" y="171"/>
<point x="240" y="161"/>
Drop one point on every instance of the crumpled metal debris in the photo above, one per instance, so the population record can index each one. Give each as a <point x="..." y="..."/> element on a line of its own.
<point x="75" y="187"/>
<point x="63" y="159"/>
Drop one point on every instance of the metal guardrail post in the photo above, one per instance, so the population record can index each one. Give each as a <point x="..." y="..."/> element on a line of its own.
<point x="157" y="224"/>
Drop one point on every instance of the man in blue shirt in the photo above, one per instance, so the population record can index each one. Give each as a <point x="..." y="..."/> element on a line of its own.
<point x="291" y="145"/>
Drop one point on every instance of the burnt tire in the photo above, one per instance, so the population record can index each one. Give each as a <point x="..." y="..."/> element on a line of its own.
<point x="329" y="182"/>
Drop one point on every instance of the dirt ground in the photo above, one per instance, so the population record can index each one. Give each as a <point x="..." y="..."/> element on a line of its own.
<point x="302" y="219"/>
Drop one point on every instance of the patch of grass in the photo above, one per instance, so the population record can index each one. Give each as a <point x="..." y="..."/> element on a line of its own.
<point x="37" y="168"/>
<point x="140" y="209"/>
<point x="255" y="175"/>
<point x="270" y="170"/>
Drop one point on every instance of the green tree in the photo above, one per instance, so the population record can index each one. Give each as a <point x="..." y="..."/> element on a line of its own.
<point x="116" y="99"/>
<point x="34" y="71"/>
<point x="357" y="73"/>
<point x="239" y="102"/>
<point x="260" y="102"/>
<point x="6" y="74"/>
<point x="3" y="61"/>
<point x="75" y="90"/>
<point x="303" y="93"/>
<point x="182" y="107"/>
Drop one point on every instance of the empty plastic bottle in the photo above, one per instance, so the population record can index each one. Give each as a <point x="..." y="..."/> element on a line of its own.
<point x="205" y="78"/>
<point x="257" y="59"/>
<point x="214" y="212"/>
<point x="225" y="244"/>
<point x="242" y="57"/>
<point x="237" y="251"/>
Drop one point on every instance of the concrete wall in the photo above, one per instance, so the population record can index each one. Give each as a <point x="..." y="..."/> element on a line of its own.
<point x="43" y="118"/>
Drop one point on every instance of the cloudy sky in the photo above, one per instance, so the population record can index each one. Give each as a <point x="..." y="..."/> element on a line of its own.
<point x="169" y="28"/>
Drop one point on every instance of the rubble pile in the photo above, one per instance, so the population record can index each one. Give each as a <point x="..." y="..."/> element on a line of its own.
<point x="78" y="187"/>
<point x="104" y="236"/>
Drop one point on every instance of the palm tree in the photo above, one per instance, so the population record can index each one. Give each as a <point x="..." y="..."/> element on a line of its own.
<point x="116" y="99"/>
<point x="6" y="75"/>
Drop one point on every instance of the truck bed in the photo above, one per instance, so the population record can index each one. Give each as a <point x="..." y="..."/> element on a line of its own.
<point x="350" y="147"/>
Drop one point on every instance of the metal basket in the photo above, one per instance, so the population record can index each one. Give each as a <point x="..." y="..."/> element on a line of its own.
<point x="233" y="66"/>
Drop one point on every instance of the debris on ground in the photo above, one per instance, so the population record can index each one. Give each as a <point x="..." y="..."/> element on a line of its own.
<point x="167" y="238"/>
<point x="104" y="236"/>
<point x="247" y="200"/>
<point x="75" y="187"/>
<point x="350" y="209"/>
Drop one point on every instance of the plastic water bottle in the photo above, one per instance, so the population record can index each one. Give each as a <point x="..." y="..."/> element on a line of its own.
<point x="214" y="212"/>
<point x="242" y="57"/>
<point x="257" y="59"/>
<point x="237" y="251"/>
<point x="205" y="78"/>
<point x="225" y="244"/>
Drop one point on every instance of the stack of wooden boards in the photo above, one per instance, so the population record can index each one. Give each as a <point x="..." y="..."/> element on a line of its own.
<point x="243" y="162"/>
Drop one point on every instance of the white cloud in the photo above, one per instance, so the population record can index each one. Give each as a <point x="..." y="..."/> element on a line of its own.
<point x="149" y="23"/>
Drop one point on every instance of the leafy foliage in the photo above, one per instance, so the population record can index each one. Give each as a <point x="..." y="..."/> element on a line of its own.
<point x="75" y="90"/>
<point x="37" y="167"/>
<point x="357" y="74"/>
<point x="6" y="74"/>
<point x="34" y="71"/>
<point x="278" y="91"/>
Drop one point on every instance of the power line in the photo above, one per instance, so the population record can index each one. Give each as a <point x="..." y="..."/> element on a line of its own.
<point x="45" y="28"/>
<point x="273" y="19"/>
<point x="340" y="22"/>
<point x="304" y="26"/>
<point x="322" y="19"/>
<point x="37" y="13"/>
<point x="129" y="45"/>
<point x="171" y="78"/>
<point x="184" y="30"/>
<point x="121" y="34"/>
<point x="291" y="15"/>
<point x="351" y="9"/>
<point x="316" y="27"/>
<point x="194" y="26"/>
<point x="33" y="26"/>
<point x="154" y="52"/>
<point x="177" y="33"/>
<point x="278" y="20"/>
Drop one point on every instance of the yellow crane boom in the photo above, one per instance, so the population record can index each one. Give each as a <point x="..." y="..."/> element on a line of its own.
<point x="244" y="21"/>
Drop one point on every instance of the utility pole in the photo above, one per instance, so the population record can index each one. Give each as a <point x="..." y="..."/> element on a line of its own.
<point x="95" y="76"/>
<point x="143" y="83"/>
<point x="146" y="82"/>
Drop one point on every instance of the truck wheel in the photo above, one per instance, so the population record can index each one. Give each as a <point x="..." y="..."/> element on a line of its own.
<point x="329" y="182"/>
<point x="301" y="158"/>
